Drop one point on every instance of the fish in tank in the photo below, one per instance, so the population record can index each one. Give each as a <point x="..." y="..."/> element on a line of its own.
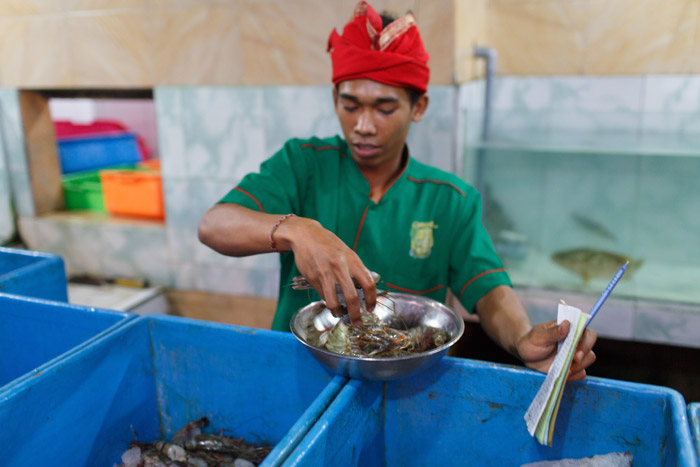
<point x="593" y="263"/>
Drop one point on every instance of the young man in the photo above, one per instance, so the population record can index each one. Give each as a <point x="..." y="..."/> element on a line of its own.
<point x="338" y="208"/>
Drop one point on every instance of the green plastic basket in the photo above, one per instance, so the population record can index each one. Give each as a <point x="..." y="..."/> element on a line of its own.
<point x="83" y="191"/>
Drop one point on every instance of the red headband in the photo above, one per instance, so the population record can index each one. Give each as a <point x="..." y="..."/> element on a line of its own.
<point x="394" y="55"/>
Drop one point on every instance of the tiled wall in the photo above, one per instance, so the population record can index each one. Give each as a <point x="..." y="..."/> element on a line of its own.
<point x="6" y="211"/>
<point x="651" y="111"/>
<point x="15" y="188"/>
<point x="105" y="248"/>
<point x="147" y="43"/>
<point x="574" y="37"/>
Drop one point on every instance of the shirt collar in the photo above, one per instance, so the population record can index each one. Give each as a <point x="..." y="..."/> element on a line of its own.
<point x="359" y="182"/>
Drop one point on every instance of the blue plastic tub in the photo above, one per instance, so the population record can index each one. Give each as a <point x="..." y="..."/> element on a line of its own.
<point x="79" y="153"/>
<point x="464" y="412"/>
<point x="35" y="334"/>
<point x="34" y="274"/>
<point x="694" y="419"/>
<point x="154" y="375"/>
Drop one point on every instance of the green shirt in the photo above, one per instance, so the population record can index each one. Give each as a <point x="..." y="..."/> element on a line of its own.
<point x="423" y="237"/>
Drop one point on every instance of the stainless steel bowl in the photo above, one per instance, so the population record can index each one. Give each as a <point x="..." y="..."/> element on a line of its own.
<point x="397" y="308"/>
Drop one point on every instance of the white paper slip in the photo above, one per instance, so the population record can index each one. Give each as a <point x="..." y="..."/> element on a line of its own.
<point x="541" y="414"/>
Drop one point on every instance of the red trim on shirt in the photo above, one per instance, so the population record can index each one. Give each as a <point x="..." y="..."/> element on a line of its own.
<point x="359" y="228"/>
<point x="439" y="182"/>
<point x="415" y="292"/>
<point x="319" y="148"/>
<point x="461" y="292"/>
<point x="251" y="197"/>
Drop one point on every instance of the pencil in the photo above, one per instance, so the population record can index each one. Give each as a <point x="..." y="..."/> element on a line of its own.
<point x="607" y="291"/>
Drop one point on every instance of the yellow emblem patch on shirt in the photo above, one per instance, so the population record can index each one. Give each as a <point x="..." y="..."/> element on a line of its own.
<point x="422" y="238"/>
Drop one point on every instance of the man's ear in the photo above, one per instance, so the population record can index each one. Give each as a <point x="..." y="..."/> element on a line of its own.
<point x="419" y="108"/>
<point x="335" y="95"/>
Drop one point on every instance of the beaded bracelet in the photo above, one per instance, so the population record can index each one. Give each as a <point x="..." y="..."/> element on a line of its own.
<point x="274" y="227"/>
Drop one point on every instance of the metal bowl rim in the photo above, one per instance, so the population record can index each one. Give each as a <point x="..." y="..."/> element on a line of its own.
<point x="427" y="353"/>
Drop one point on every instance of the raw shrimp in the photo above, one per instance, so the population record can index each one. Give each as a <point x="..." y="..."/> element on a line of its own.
<point x="374" y="339"/>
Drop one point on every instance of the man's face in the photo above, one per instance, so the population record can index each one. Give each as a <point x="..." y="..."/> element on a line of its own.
<point x="375" y="118"/>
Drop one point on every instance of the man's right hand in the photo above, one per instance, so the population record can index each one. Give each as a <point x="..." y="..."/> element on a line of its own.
<point x="325" y="261"/>
<point x="321" y="257"/>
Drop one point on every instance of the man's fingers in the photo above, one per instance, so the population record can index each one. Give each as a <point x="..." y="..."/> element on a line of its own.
<point x="352" y="300"/>
<point x="549" y="334"/>
<point x="587" y="341"/>
<point x="578" y="376"/>
<point x="369" y="287"/>
<point x="330" y="297"/>
<point x="562" y="330"/>
<point x="582" y="362"/>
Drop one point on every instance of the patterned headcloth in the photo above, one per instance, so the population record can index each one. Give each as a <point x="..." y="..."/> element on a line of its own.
<point x="394" y="55"/>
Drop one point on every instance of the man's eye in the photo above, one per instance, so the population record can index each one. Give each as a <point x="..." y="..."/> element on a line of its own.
<point x="349" y="109"/>
<point x="387" y="111"/>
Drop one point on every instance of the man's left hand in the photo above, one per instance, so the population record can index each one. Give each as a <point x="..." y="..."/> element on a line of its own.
<point x="538" y="348"/>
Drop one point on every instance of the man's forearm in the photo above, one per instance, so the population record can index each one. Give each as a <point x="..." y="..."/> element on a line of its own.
<point x="235" y="230"/>
<point x="503" y="317"/>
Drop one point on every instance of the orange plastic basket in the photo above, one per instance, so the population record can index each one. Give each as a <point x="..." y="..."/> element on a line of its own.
<point x="150" y="164"/>
<point x="133" y="193"/>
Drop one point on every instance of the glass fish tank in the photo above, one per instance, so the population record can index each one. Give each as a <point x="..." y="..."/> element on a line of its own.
<point x="566" y="211"/>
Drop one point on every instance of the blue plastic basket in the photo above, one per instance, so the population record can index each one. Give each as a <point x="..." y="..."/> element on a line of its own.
<point x="464" y="412"/>
<point x="33" y="274"/>
<point x="79" y="153"/>
<point x="154" y="375"/>
<point x="34" y="334"/>
<point x="694" y="419"/>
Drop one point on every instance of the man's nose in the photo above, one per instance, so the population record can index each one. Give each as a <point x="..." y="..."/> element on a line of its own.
<point x="365" y="124"/>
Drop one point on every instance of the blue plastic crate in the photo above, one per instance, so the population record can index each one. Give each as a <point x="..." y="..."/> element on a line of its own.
<point x="465" y="412"/>
<point x="34" y="274"/>
<point x="694" y="419"/>
<point x="79" y="153"/>
<point x="35" y="334"/>
<point x="154" y="375"/>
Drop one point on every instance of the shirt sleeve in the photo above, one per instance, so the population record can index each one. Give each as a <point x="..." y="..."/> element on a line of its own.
<point x="279" y="185"/>
<point x="475" y="268"/>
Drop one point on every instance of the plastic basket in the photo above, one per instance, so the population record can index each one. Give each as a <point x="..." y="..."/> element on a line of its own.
<point x="463" y="412"/>
<point x="83" y="191"/>
<point x="694" y="419"/>
<point x="150" y="164"/>
<point x="133" y="193"/>
<point x="81" y="153"/>
<point x="154" y="375"/>
<point x="67" y="129"/>
<point x="35" y="334"/>
<point x="33" y="274"/>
